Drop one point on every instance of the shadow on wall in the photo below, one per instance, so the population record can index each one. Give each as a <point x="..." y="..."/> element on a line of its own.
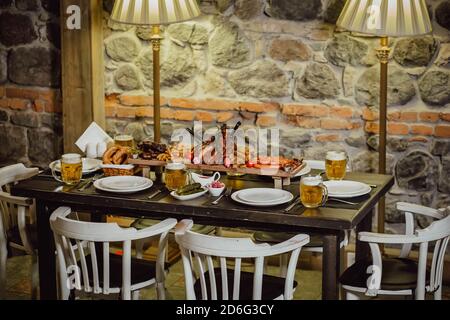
<point x="30" y="71"/>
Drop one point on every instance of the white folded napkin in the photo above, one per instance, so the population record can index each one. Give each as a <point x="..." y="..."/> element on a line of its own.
<point x="93" y="135"/>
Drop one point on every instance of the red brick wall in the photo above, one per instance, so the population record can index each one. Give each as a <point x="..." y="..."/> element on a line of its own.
<point x="332" y="123"/>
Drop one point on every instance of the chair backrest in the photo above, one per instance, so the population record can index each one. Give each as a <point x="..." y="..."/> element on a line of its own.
<point x="12" y="209"/>
<point x="199" y="252"/>
<point x="75" y="240"/>
<point x="438" y="233"/>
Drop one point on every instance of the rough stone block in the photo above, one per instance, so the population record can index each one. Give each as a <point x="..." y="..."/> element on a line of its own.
<point x="16" y="29"/>
<point x="35" y="66"/>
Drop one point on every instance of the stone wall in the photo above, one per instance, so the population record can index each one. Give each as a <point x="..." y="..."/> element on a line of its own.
<point x="283" y="63"/>
<point x="30" y="107"/>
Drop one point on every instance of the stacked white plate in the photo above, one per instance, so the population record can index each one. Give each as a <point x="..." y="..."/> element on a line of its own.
<point x="346" y="189"/>
<point x="123" y="184"/>
<point x="89" y="165"/>
<point x="304" y="171"/>
<point x="262" y="197"/>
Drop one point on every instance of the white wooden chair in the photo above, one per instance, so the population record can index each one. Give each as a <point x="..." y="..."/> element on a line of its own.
<point x="402" y="276"/>
<point x="224" y="284"/>
<point x="316" y="243"/>
<point x="15" y="232"/>
<point x="85" y="262"/>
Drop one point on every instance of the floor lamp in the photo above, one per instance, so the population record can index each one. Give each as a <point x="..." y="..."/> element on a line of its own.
<point x="385" y="18"/>
<point x="154" y="13"/>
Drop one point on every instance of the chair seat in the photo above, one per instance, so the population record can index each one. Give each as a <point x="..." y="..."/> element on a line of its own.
<point x="397" y="274"/>
<point x="140" y="224"/>
<point x="141" y="270"/>
<point x="272" y="288"/>
<point x="277" y="237"/>
<point x="13" y="235"/>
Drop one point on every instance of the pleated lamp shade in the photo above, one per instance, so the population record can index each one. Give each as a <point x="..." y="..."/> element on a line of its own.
<point x="154" y="12"/>
<point x="393" y="18"/>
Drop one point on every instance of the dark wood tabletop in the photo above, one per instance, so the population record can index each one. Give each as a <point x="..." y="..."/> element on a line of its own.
<point x="332" y="216"/>
<point x="328" y="221"/>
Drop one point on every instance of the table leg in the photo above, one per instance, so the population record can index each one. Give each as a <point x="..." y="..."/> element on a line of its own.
<point x="331" y="267"/>
<point x="46" y="253"/>
<point x="362" y="250"/>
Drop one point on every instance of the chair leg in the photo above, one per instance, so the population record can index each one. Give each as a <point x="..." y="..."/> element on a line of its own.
<point x="139" y="248"/>
<point x="3" y="258"/>
<point x="266" y="264"/>
<point x="438" y="293"/>
<point x="351" y="296"/>
<point x="136" y="294"/>
<point x="284" y="260"/>
<point x="161" y="291"/>
<point x="34" y="277"/>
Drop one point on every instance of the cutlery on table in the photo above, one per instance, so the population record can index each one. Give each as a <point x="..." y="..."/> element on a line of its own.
<point x="343" y="201"/>
<point x="293" y="204"/>
<point x="90" y="182"/>
<point x="154" y="194"/>
<point x="227" y="193"/>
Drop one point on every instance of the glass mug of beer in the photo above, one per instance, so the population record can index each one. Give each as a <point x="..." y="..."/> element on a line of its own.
<point x="124" y="141"/>
<point x="313" y="193"/>
<point x="175" y="176"/>
<point x="336" y="165"/>
<point x="71" y="167"/>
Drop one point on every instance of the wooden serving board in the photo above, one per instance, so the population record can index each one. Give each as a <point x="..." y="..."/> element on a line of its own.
<point x="281" y="177"/>
<point x="221" y="168"/>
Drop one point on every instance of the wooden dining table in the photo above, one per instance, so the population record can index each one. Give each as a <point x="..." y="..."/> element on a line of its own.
<point x="328" y="221"/>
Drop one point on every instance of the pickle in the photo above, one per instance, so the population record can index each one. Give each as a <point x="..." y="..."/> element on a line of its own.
<point x="187" y="193"/>
<point x="183" y="190"/>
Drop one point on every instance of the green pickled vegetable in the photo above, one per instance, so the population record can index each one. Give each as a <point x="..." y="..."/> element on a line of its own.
<point x="187" y="193"/>
<point x="187" y="189"/>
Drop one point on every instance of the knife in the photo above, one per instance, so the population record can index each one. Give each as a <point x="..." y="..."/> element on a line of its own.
<point x="293" y="204"/>
<point x="154" y="194"/>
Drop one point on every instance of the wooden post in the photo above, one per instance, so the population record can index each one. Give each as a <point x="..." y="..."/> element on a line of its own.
<point x="82" y="70"/>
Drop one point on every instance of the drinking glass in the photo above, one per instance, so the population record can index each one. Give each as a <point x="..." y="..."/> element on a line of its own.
<point x="336" y="165"/>
<point x="313" y="193"/>
<point x="71" y="167"/>
<point x="175" y="176"/>
<point x="124" y="141"/>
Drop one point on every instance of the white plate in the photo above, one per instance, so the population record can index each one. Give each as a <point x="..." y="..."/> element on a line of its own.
<point x="262" y="195"/>
<point x="305" y="170"/>
<point x="124" y="182"/>
<point x="89" y="165"/>
<point x="99" y="185"/>
<point x="235" y="197"/>
<point x="346" y="189"/>
<point x="188" y="197"/>
<point x="285" y="198"/>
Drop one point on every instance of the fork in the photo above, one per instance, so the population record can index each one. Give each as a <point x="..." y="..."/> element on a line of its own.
<point x="88" y="184"/>
<point x="225" y="194"/>
<point x="293" y="204"/>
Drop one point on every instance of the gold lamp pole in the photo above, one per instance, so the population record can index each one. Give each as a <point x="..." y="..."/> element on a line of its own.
<point x="156" y="45"/>
<point x="384" y="18"/>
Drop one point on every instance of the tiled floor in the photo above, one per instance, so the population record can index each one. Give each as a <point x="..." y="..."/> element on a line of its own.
<point x="19" y="287"/>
